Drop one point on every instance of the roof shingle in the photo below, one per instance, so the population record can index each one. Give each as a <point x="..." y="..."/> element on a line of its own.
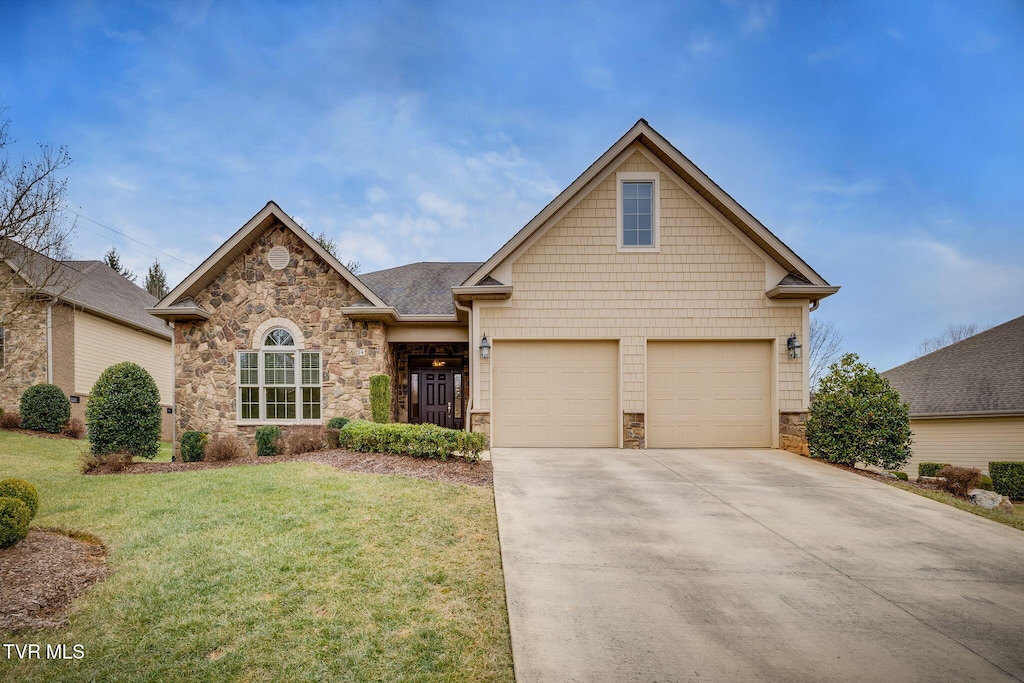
<point x="423" y="288"/>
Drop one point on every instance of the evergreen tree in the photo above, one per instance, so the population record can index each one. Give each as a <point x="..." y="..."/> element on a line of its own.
<point x="113" y="259"/>
<point x="156" y="280"/>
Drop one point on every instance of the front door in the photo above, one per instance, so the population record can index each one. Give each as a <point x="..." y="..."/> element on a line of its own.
<point x="436" y="397"/>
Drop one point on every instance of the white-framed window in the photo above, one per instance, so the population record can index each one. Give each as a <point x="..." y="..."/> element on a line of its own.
<point x="638" y="215"/>
<point x="279" y="382"/>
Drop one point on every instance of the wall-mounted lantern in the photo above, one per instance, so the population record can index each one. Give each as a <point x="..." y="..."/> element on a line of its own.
<point x="794" y="346"/>
<point x="485" y="348"/>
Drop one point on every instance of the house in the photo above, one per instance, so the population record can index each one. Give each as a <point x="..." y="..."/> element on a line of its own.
<point x="642" y="307"/>
<point x="77" y="319"/>
<point x="967" y="399"/>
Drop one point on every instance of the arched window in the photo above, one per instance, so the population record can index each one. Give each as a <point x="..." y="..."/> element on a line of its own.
<point x="279" y="381"/>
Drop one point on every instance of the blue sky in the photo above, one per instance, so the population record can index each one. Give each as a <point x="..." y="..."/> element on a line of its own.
<point x="882" y="141"/>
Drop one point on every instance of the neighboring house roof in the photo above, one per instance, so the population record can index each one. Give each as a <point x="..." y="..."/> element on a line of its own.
<point x="983" y="374"/>
<point x="423" y="288"/>
<point x="808" y="284"/>
<point x="92" y="286"/>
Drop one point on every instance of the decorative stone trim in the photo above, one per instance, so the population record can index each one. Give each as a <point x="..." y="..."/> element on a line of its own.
<point x="793" y="432"/>
<point x="268" y="325"/>
<point x="481" y="423"/>
<point x="633" y="431"/>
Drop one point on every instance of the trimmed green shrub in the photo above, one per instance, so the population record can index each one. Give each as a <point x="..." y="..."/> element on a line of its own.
<point x="1008" y="479"/>
<point x="930" y="469"/>
<point x="123" y="415"/>
<point x="985" y="483"/>
<point x="422" y="440"/>
<point x="44" y="408"/>
<point x="193" y="446"/>
<point x="902" y="476"/>
<point x="380" y="398"/>
<point x="858" y="417"/>
<point x="23" y="491"/>
<point x="268" y="440"/>
<point x="337" y="422"/>
<point x="960" y="480"/>
<point x="14" y="519"/>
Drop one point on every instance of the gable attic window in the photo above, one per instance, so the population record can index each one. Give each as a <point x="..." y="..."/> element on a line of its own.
<point x="279" y="382"/>
<point x="638" y="199"/>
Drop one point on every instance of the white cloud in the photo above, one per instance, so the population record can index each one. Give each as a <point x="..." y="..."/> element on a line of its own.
<point x="452" y="212"/>
<point x="376" y="195"/>
<point x="760" y="16"/>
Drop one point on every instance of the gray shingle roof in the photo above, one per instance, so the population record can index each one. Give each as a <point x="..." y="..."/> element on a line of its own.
<point x="420" y="288"/>
<point x="981" y="374"/>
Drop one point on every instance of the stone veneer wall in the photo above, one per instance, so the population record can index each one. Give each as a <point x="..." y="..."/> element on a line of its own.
<point x="310" y="294"/>
<point x="24" y="353"/>
<point x="481" y="423"/>
<point x="633" y="431"/>
<point x="400" y="354"/>
<point x="793" y="432"/>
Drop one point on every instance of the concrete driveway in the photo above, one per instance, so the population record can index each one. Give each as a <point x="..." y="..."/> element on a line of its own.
<point x="735" y="565"/>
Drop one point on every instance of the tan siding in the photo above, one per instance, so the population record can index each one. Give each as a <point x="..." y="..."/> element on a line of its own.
<point x="705" y="283"/>
<point x="63" y="327"/>
<point x="968" y="442"/>
<point x="100" y="343"/>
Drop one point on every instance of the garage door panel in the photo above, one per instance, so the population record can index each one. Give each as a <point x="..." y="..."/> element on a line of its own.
<point x="555" y="393"/>
<point x="709" y="394"/>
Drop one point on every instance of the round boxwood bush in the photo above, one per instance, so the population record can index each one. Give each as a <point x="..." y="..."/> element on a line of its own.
<point x="14" y="519"/>
<point x="44" y="408"/>
<point x="123" y="415"/>
<point x="337" y="422"/>
<point x="268" y="440"/>
<point x="23" y="491"/>
<point x="193" y="446"/>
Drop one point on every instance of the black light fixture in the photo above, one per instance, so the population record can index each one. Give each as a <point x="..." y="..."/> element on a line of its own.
<point x="485" y="348"/>
<point x="794" y="346"/>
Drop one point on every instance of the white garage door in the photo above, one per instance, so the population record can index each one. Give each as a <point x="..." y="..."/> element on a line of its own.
<point x="550" y="393"/>
<point x="711" y="394"/>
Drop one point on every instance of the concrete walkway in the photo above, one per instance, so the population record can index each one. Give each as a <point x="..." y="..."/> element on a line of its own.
<point x="736" y="565"/>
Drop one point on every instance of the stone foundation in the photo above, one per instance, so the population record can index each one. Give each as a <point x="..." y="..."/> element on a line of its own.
<point x="633" y="430"/>
<point x="793" y="432"/>
<point x="481" y="422"/>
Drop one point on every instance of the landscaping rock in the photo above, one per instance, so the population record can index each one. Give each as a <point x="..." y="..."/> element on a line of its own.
<point x="990" y="499"/>
<point x="886" y="474"/>
<point x="931" y="480"/>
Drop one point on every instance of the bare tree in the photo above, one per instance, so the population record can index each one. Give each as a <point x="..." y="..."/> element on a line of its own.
<point x="953" y="333"/>
<point x="825" y="343"/>
<point x="34" y="242"/>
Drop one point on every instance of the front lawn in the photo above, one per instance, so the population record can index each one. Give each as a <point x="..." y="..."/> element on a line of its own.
<point x="288" y="572"/>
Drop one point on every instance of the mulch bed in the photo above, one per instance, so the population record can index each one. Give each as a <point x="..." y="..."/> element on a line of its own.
<point x="451" y="471"/>
<point x="41" y="575"/>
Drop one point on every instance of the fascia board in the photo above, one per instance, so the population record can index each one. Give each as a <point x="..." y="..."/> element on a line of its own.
<point x="802" y="292"/>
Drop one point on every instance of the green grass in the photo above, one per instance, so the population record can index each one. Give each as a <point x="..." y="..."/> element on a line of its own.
<point x="283" y="572"/>
<point x="1014" y="519"/>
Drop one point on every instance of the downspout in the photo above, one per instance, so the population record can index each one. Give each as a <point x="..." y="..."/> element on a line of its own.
<point x="174" y="394"/>
<point x="472" y="358"/>
<point x="814" y="305"/>
<point x="49" y="343"/>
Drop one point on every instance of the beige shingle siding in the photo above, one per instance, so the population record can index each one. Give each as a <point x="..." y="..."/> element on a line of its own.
<point x="704" y="283"/>
<point x="100" y="343"/>
<point x="967" y="441"/>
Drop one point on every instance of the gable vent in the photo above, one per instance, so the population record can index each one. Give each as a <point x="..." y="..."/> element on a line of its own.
<point x="278" y="258"/>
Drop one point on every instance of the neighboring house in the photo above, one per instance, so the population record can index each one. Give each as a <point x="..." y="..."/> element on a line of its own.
<point x="81" y="318"/>
<point x="643" y="307"/>
<point x="967" y="399"/>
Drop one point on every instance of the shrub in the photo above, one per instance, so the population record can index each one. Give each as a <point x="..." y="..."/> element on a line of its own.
<point x="960" y="480"/>
<point x="337" y="422"/>
<point x="423" y="440"/>
<point x="985" y="483"/>
<point x="1008" y="479"/>
<point x="123" y="415"/>
<point x="23" y="491"/>
<point x="930" y="469"/>
<point x="858" y="417"/>
<point x="224" y="447"/>
<point x="114" y="462"/>
<point x="45" y="408"/>
<point x="268" y="440"/>
<point x="14" y="519"/>
<point x="380" y="398"/>
<point x="331" y="437"/>
<point x="193" y="446"/>
<point x="902" y="476"/>
<point x="303" y="440"/>
<point x="10" y="419"/>
<point x="74" y="428"/>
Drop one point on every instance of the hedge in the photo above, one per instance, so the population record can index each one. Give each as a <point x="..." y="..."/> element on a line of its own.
<point x="193" y="446"/>
<point x="124" y="414"/>
<point x="422" y="440"/>
<point x="1008" y="478"/>
<point x="337" y="422"/>
<point x="268" y="440"/>
<point x="44" y="408"/>
<point x="930" y="469"/>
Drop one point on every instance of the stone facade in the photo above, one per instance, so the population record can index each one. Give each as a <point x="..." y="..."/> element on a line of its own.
<point x="247" y="293"/>
<point x="401" y="352"/>
<point x="24" y="356"/>
<point x="793" y="432"/>
<point x="481" y="423"/>
<point x="633" y="431"/>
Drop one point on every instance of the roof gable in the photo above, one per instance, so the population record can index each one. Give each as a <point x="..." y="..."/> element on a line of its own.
<point x="689" y="175"/>
<point x="980" y="374"/>
<point x="423" y="288"/>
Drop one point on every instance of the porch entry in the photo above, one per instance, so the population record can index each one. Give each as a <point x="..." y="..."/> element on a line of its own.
<point x="435" y="393"/>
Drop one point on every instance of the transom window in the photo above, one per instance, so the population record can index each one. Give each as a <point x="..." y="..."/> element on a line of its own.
<point x="638" y="200"/>
<point x="278" y="382"/>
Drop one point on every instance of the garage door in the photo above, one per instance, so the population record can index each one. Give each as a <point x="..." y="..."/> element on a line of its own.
<point x="709" y="394"/>
<point x="555" y="393"/>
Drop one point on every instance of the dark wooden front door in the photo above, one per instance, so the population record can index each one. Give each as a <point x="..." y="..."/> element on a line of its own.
<point x="436" y="396"/>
